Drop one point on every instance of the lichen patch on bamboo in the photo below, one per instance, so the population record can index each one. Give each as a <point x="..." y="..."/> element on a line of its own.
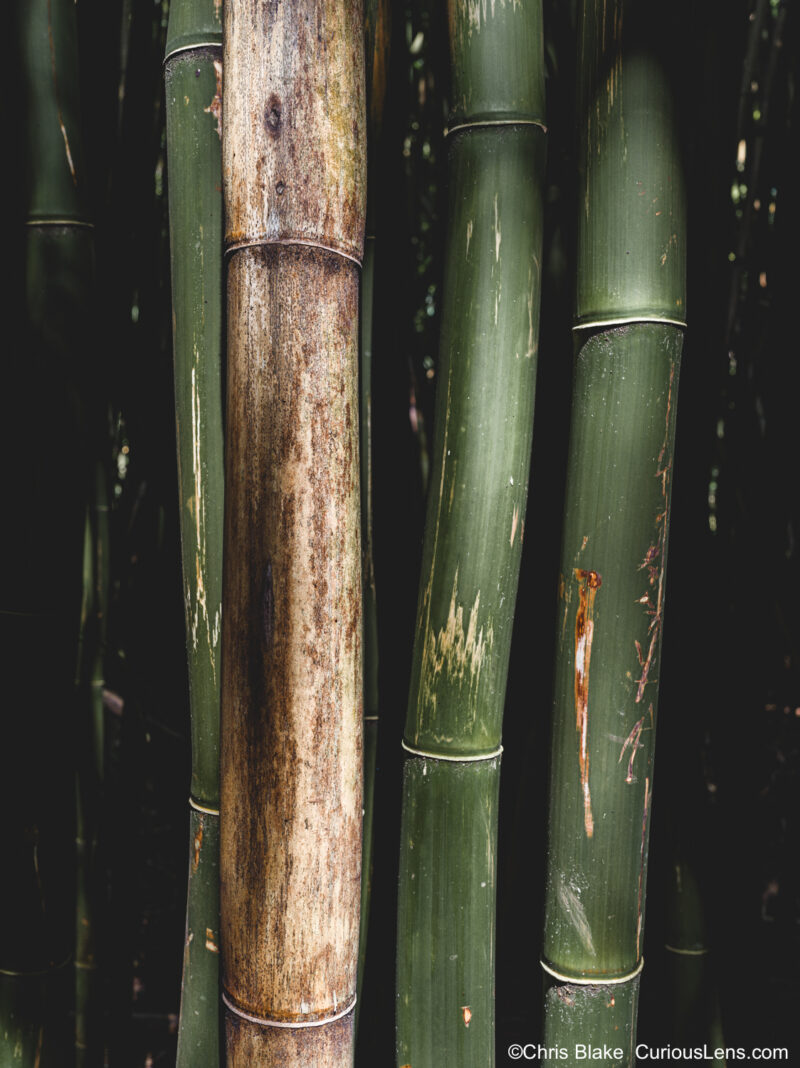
<point x="588" y="584"/>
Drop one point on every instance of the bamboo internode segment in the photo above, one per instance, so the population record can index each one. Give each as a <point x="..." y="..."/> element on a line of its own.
<point x="294" y="171"/>
<point x="476" y="507"/>
<point x="631" y="217"/>
<point x="630" y="296"/>
<point x="291" y="753"/>
<point x="294" y="178"/>
<point x="487" y="43"/>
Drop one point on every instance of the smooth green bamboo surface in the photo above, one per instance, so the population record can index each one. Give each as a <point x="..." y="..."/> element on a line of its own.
<point x="630" y="307"/>
<point x="193" y="76"/>
<point x="473" y="538"/>
<point x="484" y="420"/>
<point x="445" y="964"/>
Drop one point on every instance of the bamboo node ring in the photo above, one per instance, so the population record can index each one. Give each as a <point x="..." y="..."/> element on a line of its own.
<point x="202" y="808"/>
<point x="258" y="242"/>
<point x="597" y="981"/>
<point x="293" y="1025"/>
<point x="469" y="758"/>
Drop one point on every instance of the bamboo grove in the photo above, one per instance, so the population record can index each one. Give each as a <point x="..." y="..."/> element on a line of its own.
<point x="345" y="389"/>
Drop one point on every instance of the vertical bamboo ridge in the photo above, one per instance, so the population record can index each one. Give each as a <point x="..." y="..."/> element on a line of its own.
<point x="473" y="538"/>
<point x="630" y="308"/>
<point x="193" y="82"/>
<point x="291" y="789"/>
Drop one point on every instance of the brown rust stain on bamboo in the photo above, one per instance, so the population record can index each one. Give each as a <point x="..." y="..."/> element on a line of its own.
<point x="466" y="1013"/>
<point x="589" y="583"/>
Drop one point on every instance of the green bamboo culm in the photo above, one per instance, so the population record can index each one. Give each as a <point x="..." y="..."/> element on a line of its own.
<point x="630" y="313"/>
<point x="40" y="590"/>
<point x="473" y="538"/>
<point x="376" y="52"/>
<point x="193" y="76"/>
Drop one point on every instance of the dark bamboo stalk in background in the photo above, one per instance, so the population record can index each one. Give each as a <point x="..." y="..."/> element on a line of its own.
<point x="193" y="75"/>
<point x="291" y="789"/>
<point x="40" y="593"/>
<point x="628" y="337"/>
<point x="377" y="23"/>
<point x="473" y="538"/>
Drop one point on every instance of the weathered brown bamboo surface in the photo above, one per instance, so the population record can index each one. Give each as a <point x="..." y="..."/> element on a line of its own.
<point x="291" y="794"/>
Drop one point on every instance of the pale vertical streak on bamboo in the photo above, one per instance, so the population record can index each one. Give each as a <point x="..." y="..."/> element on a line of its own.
<point x="294" y="183"/>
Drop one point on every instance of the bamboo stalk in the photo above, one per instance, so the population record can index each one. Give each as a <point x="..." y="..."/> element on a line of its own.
<point x="293" y="167"/>
<point x="193" y="76"/>
<point x="473" y="539"/>
<point x="376" y="50"/>
<point x="629" y="316"/>
<point x="43" y="535"/>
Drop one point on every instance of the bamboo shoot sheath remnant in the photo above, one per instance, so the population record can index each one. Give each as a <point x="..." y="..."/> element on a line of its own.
<point x="473" y="538"/>
<point x="193" y="83"/>
<point x="629" y="324"/>
<point x="291" y="757"/>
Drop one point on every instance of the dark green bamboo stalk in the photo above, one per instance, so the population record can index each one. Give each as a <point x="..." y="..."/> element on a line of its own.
<point x="43" y="536"/>
<point x="629" y="317"/>
<point x="193" y="70"/>
<point x="473" y="538"/>
<point x="376" y="51"/>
